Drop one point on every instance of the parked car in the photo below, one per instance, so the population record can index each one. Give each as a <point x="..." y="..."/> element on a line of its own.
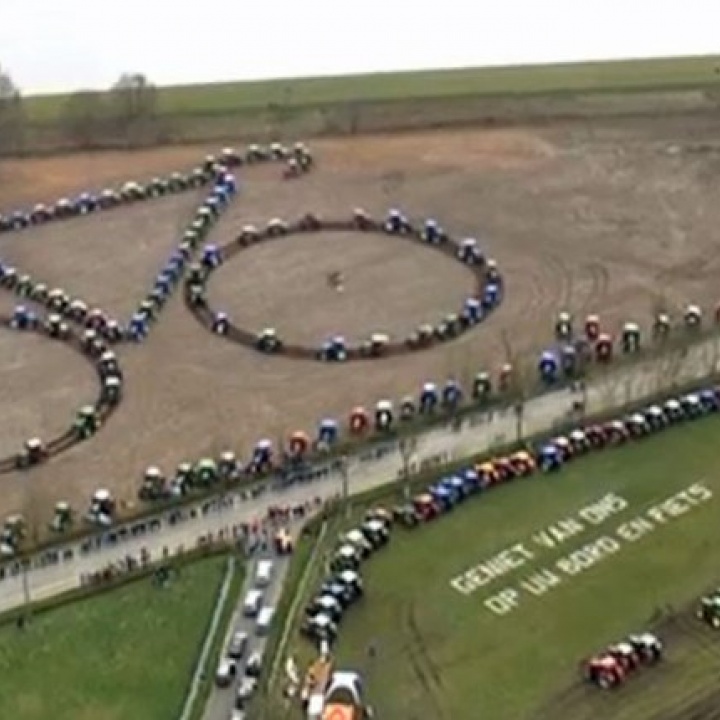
<point x="245" y="691"/>
<point x="238" y="645"/>
<point x="226" y="672"/>
<point x="254" y="664"/>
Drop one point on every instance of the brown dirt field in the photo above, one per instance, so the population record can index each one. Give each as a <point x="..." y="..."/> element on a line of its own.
<point x="62" y="380"/>
<point x="259" y="287"/>
<point x="593" y="216"/>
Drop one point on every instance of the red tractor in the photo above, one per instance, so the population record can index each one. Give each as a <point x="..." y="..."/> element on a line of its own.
<point x="605" y="671"/>
<point x="425" y="507"/>
<point x="626" y="654"/>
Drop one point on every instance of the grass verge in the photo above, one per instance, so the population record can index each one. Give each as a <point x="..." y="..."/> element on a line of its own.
<point x="122" y="655"/>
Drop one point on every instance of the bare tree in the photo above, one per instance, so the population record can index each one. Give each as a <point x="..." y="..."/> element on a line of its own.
<point x="85" y="119"/>
<point x="135" y="96"/>
<point x="133" y="106"/>
<point x="11" y="114"/>
<point x="519" y="382"/>
<point x="407" y="447"/>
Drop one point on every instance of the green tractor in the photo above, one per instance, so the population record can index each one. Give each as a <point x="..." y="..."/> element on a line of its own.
<point x="709" y="610"/>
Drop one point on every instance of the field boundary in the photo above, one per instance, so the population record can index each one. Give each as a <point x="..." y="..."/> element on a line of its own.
<point x="84" y="592"/>
<point x="383" y="102"/>
<point x="200" y="670"/>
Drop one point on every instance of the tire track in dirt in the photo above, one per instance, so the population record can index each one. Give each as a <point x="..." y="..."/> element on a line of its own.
<point x="598" y="290"/>
<point x="422" y="664"/>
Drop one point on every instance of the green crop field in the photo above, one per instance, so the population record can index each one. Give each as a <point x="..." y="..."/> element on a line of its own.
<point x="456" y="640"/>
<point x="123" y="655"/>
<point x="232" y="98"/>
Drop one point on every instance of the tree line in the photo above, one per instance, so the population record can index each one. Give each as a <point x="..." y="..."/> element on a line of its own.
<point x="126" y="113"/>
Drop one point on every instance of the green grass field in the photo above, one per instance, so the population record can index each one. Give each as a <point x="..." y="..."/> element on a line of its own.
<point x="449" y="654"/>
<point x="232" y="98"/>
<point x="123" y="655"/>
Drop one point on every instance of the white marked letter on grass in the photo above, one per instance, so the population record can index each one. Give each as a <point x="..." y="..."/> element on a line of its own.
<point x="700" y="492"/>
<point x="635" y="529"/>
<point x="491" y="569"/>
<point x="558" y="533"/>
<point x="504" y="602"/>
<point x="588" y="555"/>
<point x="680" y="503"/>
<point x="603" y="509"/>
<point x="540" y="582"/>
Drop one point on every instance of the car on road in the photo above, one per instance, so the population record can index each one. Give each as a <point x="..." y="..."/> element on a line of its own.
<point x="238" y="645"/>
<point x="252" y="603"/>
<point x="254" y="664"/>
<point x="226" y="672"/>
<point x="264" y="573"/>
<point x="245" y="691"/>
<point x="264" y="620"/>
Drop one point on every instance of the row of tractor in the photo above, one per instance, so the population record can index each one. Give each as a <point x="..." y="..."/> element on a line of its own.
<point x="89" y="417"/>
<point x="63" y="305"/>
<point x="592" y="343"/>
<point x="14" y="530"/>
<point x="343" y="584"/>
<point x="267" y="457"/>
<point x="445" y="494"/>
<point x="214" y="171"/>
<point x="298" y="159"/>
<point x="620" y="661"/>
<point x="336" y="348"/>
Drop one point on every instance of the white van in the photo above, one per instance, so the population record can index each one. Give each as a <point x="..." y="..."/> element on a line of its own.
<point x="253" y="603"/>
<point x="264" y="573"/>
<point x="264" y="619"/>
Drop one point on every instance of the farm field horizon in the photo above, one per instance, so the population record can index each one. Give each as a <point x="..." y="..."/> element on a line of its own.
<point x="613" y="544"/>
<point x="625" y="76"/>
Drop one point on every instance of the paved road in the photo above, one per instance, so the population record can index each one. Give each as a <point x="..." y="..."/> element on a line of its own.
<point x="221" y="702"/>
<point x="366" y="470"/>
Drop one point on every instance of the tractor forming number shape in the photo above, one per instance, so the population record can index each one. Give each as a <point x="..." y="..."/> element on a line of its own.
<point x="487" y="294"/>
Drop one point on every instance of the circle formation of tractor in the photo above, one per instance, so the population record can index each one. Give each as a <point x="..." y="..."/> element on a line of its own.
<point x="89" y="418"/>
<point x="487" y="295"/>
